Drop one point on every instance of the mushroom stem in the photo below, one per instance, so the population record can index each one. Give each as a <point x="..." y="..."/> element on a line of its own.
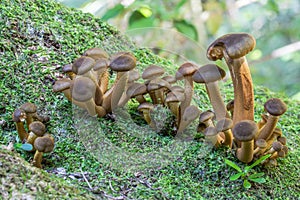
<point x="269" y="127"/>
<point x="37" y="159"/>
<point x="245" y="153"/>
<point x="216" y="100"/>
<point x="243" y="89"/>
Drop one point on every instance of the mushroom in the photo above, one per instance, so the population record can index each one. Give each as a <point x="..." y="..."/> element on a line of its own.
<point x="37" y="129"/>
<point x="190" y="114"/>
<point x="63" y="85"/>
<point x="156" y="88"/>
<point x="173" y="100"/>
<point x="68" y="69"/>
<point x="261" y="145"/>
<point x="186" y="71"/>
<point x="30" y="110"/>
<point x="275" y="107"/>
<point x="137" y="90"/>
<point x="209" y="75"/>
<point x="276" y="146"/>
<point x="244" y="131"/>
<point x="152" y="72"/>
<point x="282" y="140"/>
<point x="95" y="53"/>
<point x="146" y="108"/>
<point x="276" y="134"/>
<point x="42" y="145"/>
<point x="83" y="93"/>
<point x="121" y="63"/>
<point x="224" y="125"/>
<point x="18" y="117"/>
<point x="233" y="48"/>
<point x="211" y="134"/>
<point x="101" y="69"/>
<point x="206" y="118"/>
<point x="83" y="65"/>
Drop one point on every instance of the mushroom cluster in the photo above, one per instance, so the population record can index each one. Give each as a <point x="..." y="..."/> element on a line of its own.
<point x="32" y="130"/>
<point x="231" y="124"/>
<point x="87" y="85"/>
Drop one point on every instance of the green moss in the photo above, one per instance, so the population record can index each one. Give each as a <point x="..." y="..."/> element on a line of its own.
<point x="40" y="36"/>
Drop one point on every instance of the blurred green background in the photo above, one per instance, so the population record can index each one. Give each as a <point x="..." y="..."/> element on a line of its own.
<point x="182" y="30"/>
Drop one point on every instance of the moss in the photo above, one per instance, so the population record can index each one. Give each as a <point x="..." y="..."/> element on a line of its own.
<point x="40" y="36"/>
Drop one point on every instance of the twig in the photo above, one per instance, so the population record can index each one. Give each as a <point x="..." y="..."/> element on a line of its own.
<point x="86" y="179"/>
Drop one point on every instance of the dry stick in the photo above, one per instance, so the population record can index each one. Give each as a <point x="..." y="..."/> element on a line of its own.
<point x="85" y="179"/>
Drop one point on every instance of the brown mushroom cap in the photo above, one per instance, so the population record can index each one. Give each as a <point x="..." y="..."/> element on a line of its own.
<point x="145" y="106"/>
<point x="224" y="124"/>
<point x="282" y="140"/>
<point x="170" y="79"/>
<point x="44" y="144"/>
<point x="206" y="115"/>
<point x="230" y="105"/>
<point x="152" y="71"/>
<point x="157" y="83"/>
<point x="29" y="107"/>
<point x="285" y="149"/>
<point x="136" y="89"/>
<point x="18" y="115"/>
<point x="245" y="130"/>
<point x="190" y="113"/>
<point x="38" y="128"/>
<point x="277" y="146"/>
<point x="83" y="89"/>
<point x="177" y="88"/>
<point x="208" y="73"/>
<point x="236" y="45"/>
<point x="133" y="75"/>
<point x="67" y="68"/>
<point x="101" y="64"/>
<point x="95" y="53"/>
<point x="275" y="107"/>
<point x="82" y="65"/>
<point x="186" y="69"/>
<point x="122" y="61"/>
<point x="174" y="97"/>
<point x="261" y="143"/>
<point x="61" y="85"/>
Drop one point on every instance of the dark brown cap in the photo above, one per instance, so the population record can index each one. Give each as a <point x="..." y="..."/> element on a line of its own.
<point x="245" y="130"/>
<point x="275" y="107"/>
<point x="208" y="73"/>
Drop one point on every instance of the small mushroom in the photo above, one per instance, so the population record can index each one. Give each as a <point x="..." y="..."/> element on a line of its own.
<point x="37" y="129"/>
<point x="42" y="145"/>
<point x="156" y="88"/>
<point x="83" y="94"/>
<point x="211" y="134"/>
<point x="244" y="131"/>
<point x="137" y="90"/>
<point x="30" y="110"/>
<point x="146" y="108"/>
<point x="282" y="140"/>
<point x="63" y="85"/>
<point x="186" y="71"/>
<point x="96" y="53"/>
<point x="210" y="74"/>
<point x="19" y="117"/>
<point x="261" y="145"/>
<point x="190" y="114"/>
<point x="275" y="107"/>
<point x="276" y="133"/>
<point x="152" y="72"/>
<point x="83" y="66"/>
<point x="233" y="48"/>
<point x="224" y="125"/>
<point x="276" y="146"/>
<point x="173" y="100"/>
<point x="68" y="69"/>
<point x="206" y="118"/>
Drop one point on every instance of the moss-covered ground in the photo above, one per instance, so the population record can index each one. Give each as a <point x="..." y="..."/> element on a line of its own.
<point x="40" y="36"/>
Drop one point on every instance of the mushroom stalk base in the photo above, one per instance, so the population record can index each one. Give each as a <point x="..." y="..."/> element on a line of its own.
<point x="245" y="153"/>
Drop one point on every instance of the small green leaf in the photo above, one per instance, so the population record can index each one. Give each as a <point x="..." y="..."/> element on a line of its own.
<point x="256" y="175"/>
<point x="17" y="145"/>
<point x="113" y="12"/>
<point x="260" y="160"/>
<point x="179" y="5"/>
<point x="247" y="184"/>
<point x="186" y="28"/>
<point x="26" y="147"/>
<point x="236" y="176"/>
<point x="233" y="165"/>
<point x="258" y="180"/>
